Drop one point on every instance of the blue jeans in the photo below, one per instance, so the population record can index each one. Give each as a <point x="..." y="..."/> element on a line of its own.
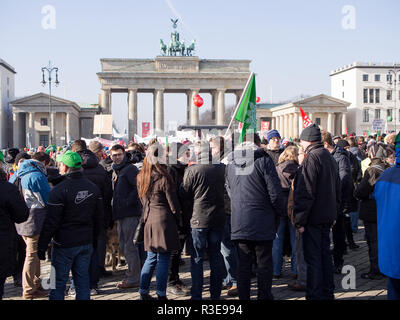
<point x="393" y="289"/>
<point x="206" y="239"/>
<point x="161" y="260"/>
<point x="277" y="248"/>
<point x="354" y="221"/>
<point x="77" y="260"/>
<point x="230" y="255"/>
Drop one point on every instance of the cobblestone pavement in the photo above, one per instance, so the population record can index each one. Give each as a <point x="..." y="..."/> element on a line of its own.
<point x="365" y="289"/>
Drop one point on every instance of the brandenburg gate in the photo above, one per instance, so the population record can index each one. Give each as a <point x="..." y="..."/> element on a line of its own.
<point x="172" y="74"/>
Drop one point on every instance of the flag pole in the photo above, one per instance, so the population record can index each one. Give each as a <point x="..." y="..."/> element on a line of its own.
<point x="240" y="101"/>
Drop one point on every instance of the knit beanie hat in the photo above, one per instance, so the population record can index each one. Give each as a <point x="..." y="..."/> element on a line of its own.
<point x="272" y="134"/>
<point x="312" y="133"/>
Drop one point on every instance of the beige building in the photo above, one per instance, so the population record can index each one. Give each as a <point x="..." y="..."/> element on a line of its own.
<point x="31" y="123"/>
<point x="327" y="112"/>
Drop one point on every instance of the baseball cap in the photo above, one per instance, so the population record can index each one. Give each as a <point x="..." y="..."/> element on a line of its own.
<point x="70" y="159"/>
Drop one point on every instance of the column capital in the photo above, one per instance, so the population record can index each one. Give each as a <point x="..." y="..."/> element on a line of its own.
<point x="159" y="89"/>
<point x="133" y="89"/>
<point x="221" y="89"/>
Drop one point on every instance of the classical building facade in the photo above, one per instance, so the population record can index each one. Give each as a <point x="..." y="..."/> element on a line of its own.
<point x="366" y="87"/>
<point x="186" y="74"/>
<point x="31" y="123"/>
<point x="327" y="112"/>
<point x="7" y="94"/>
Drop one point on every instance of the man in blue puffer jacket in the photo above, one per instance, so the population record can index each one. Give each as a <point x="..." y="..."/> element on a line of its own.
<point x="387" y="190"/>
<point x="32" y="182"/>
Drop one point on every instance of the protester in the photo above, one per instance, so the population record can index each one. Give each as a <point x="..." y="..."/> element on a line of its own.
<point x="32" y="182"/>
<point x="257" y="205"/>
<point x="368" y="212"/>
<point x="203" y="184"/>
<point x="386" y="192"/>
<point x="228" y="247"/>
<point x="12" y="210"/>
<point x="74" y="222"/>
<point x="338" y="233"/>
<point x="274" y="149"/>
<point x="126" y="210"/>
<point x="161" y="211"/>
<point x="316" y="204"/>
<point x="286" y="169"/>
<point x="177" y="164"/>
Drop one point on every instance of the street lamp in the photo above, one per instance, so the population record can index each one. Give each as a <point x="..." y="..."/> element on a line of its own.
<point x="50" y="70"/>
<point x="393" y="74"/>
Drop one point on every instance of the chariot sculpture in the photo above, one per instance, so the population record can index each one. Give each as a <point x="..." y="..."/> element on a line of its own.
<point x="176" y="46"/>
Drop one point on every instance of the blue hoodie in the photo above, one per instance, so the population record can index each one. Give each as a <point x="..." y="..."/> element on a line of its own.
<point x="35" y="190"/>
<point x="386" y="193"/>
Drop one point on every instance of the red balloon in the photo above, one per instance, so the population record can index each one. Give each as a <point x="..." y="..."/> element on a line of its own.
<point x="258" y="99"/>
<point x="198" y="101"/>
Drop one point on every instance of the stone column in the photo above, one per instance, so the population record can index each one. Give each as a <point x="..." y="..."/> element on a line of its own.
<point x="194" y="111"/>
<point x="188" y="106"/>
<point x="273" y="123"/>
<point x="310" y="115"/>
<point x="281" y="125"/>
<point x="329" y="123"/>
<point x="295" y="125"/>
<point x="53" y="129"/>
<point x="221" y="107"/>
<point x="344" y="123"/>
<point x="214" y="106"/>
<point x="68" y="127"/>
<point x="31" y="124"/>
<point x="159" y="111"/>
<point x="132" y="113"/>
<point x="285" y="126"/>
<point x="106" y="101"/>
<point x="291" y="126"/>
<point x="16" y="130"/>
<point x="333" y="124"/>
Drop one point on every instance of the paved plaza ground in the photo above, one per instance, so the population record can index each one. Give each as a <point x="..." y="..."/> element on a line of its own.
<point x="365" y="289"/>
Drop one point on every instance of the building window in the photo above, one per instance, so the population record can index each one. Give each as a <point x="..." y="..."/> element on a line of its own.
<point x="389" y="113"/>
<point x="377" y="95"/>
<point x="342" y="83"/>
<point x="8" y="94"/>
<point x="44" y="140"/>
<point x="365" y="77"/>
<point x="43" y="121"/>
<point x="318" y="121"/>
<point x="342" y="95"/>
<point x="371" y="95"/>
<point x="377" y="77"/>
<point x="8" y="81"/>
<point x="365" y="95"/>
<point x="377" y="113"/>
<point x="388" y="94"/>
<point x="366" y="115"/>
<point x="389" y="78"/>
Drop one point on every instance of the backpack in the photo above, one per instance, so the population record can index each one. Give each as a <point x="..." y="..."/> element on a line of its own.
<point x="18" y="184"/>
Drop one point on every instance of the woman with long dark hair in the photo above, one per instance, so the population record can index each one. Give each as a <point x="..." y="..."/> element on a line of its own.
<point x="161" y="211"/>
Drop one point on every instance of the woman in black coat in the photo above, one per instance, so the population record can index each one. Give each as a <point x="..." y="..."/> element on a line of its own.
<point x="12" y="210"/>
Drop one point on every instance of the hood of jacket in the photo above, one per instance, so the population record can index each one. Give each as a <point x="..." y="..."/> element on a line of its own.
<point x="89" y="159"/>
<point x="339" y="151"/>
<point x="29" y="166"/>
<point x="136" y="156"/>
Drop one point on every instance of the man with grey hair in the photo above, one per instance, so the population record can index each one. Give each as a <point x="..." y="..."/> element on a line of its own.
<point x="204" y="183"/>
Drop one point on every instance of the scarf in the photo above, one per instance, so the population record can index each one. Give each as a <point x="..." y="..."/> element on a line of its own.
<point x="118" y="167"/>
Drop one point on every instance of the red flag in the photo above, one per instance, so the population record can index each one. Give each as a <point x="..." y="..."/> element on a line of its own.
<point x="306" y="120"/>
<point x="133" y="138"/>
<point x="347" y="132"/>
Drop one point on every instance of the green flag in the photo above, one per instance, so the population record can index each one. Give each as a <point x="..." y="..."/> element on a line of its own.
<point x="166" y="141"/>
<point x="247" y="113"/>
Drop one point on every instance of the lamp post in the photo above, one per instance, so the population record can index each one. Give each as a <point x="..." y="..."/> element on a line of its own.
<point x="50" y="70"/>
<point x="393" y="73"/>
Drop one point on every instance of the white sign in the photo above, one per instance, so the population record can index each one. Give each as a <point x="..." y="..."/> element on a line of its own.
<point x="103" y="124"/>
<point x="378" y="124"/>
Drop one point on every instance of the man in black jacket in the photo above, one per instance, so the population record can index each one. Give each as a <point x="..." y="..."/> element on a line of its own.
<point x="257" y="206"/>
<point x="126" y="210"/>
<point x="92" y="170"/>
<point x="316" y="202"/>
<point x="204" y="183"/>
<point x="346" y="183"/>
<point x="74" y="221"/>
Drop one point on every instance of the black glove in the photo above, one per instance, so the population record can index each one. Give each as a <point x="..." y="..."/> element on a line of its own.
<point x="41" y="254"/>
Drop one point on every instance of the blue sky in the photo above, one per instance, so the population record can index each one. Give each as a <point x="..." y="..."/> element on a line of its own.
<point x="293" y="44"/>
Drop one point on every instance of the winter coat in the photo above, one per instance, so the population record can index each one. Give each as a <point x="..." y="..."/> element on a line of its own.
<point x="31" y="177"/>
<point x="352" y="204"/>
<point x="286" y="173"/>
<point x="274" y="154"/>
<point x="53" y="176"/>
<point x="75" y="213"/>
<point x="386" y="194"/>
<point x="12" y="210"/>
<point x="341" y="157"/>
<point x="317" y="191"/>
<point x="256" y="194"/>
<point x="177" y="172"/>
<point x="126" y="201"/>
<point x="365" y="190"/>
<point x="160" y="212"/>
<point x="203" y="184"/>
<point x="357" y="152"/>
<point x="98" y="175"/>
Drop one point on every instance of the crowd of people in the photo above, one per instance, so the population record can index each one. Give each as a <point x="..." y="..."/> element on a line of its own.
<point x="242" y="208"/>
